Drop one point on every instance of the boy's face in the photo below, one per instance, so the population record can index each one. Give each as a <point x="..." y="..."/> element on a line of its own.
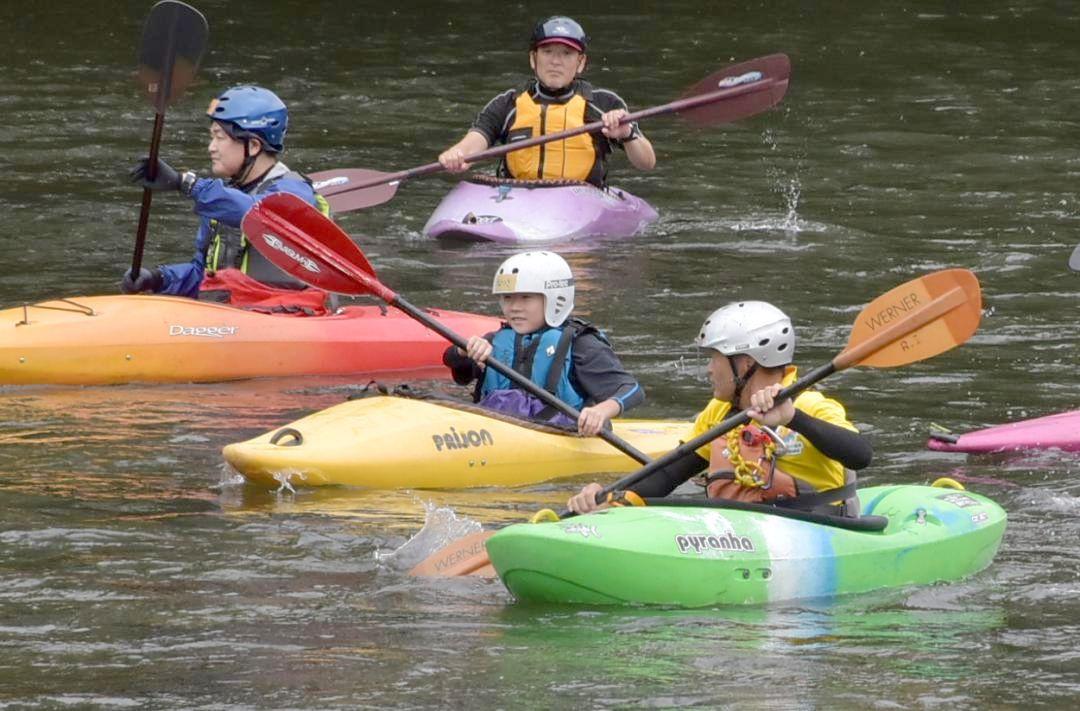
<point x="721" y="376"/>
<point x="556" y="65"/>
<point x="226" y="153"/>
<point x="524" y="312"/>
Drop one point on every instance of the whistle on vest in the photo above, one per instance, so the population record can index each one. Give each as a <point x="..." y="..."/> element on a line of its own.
<point x="754" y="437"/>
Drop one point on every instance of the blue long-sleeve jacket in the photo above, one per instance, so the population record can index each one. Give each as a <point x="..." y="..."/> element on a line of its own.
<point x="216" y="201"/>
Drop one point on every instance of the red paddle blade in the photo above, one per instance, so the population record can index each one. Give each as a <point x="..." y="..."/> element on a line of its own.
<point x="345" y="189"/>
<point x="303" y="242"/>
<point x="764" y="81"/>
<point x="172" y="45"/>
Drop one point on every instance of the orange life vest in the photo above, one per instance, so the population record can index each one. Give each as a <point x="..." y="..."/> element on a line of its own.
<point x="749" y="473"/>
<point x="570" y="159"/>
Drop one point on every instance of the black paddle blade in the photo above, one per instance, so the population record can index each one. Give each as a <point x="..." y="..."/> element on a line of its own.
<point x="1074" y="260"/>
<point x="765" y="80"/>
<point x="173" y="43"/>
<point x="354" y="188"/>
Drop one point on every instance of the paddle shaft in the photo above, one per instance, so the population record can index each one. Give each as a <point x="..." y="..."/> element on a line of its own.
<point x="468" y="556"/>
<point x="499" y="151"/>
<point x="308" y="245"/>
<point x="928" y="312"/>
<point x="164" y="93"/>
<point x="148" y="195"/>
<point x="911" y="322"/>
<point x="718" y="430"/>
<point x="514" y="376"/>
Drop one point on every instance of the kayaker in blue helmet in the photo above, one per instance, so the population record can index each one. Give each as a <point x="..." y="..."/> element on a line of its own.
<point x="565" y="355"/>
<point x="554" y="100"/>
<point x="247" y="135"/>
<point x="793" y="454"/>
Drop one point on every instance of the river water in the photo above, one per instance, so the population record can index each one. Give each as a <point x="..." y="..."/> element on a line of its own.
<point x="135" y="571"/>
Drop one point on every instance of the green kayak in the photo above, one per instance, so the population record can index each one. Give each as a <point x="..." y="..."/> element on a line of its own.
<point x="693" y="554"/>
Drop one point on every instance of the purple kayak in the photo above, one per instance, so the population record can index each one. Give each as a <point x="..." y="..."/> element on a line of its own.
<point x="1060" y="431"/>
<point x="526" y="212"/>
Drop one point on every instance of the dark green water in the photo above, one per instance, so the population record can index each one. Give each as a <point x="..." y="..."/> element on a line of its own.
<point x="134" y="572"/>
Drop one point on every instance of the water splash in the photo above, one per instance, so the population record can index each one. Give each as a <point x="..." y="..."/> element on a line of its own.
<point x="792" y="191"/>
<point x="284" y="479"/>
<point x="228" y="478"/>
<point x="789" y="187"/>
<point x="441" y="526"/>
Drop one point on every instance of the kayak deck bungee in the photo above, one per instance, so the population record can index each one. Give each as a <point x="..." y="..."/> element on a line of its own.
<point x="526" y="212"/>
<point x="97" y="340"/>
<point x="1060" y="431"/>
<point x="388" y="442"/>
<point x="703" y="555"/>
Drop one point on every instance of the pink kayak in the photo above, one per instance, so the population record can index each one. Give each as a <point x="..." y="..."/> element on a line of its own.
<point x="1061" y="431"/>
<point x="527" y="212"/>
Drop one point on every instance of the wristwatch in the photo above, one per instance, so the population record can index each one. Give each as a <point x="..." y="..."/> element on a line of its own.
<point x="187" y="182"/>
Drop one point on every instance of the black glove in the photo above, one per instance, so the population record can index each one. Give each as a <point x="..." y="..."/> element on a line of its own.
<point x="167" y="177"/>
<point x="148" y="280"/>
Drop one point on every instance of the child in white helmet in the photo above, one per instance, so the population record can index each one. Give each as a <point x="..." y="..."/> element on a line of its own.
<point x="793" y="454"/>
<point x="565" y="355"/>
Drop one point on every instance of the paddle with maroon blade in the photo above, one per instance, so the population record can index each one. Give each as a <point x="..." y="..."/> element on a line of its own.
<point x="736" y="92"/>
<point x="173" y="42"/>
<point x="912" y="322"/>
<point x="306" y="244"/>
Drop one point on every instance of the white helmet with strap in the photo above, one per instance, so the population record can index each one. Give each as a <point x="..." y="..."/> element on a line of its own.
<point x="756" y="328"/>
<point x="539" y="273"/>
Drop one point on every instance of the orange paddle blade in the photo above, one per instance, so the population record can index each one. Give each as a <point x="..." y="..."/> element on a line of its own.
<point x="465" y="556"/>
<point x="917" y="320"/>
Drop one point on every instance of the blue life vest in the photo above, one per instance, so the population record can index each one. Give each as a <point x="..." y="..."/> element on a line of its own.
<point x="544" y="356"/>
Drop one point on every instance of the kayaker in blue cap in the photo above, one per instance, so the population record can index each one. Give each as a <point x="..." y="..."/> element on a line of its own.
<point x="565" y="355"/>
<point x="554" y="100"/>
<point x="247" y="135"/>
<point x="794" y="453"/>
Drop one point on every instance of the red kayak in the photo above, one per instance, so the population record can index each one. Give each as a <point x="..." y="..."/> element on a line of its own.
<point x="95" y="340"/>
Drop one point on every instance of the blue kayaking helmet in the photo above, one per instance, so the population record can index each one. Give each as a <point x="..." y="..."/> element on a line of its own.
<point x="246" y="111"/>
<point x="562" y="30"/>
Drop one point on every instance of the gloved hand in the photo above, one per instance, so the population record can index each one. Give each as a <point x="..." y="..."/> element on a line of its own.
<point x="167" y="178"/>
<point x="148" y="280"/>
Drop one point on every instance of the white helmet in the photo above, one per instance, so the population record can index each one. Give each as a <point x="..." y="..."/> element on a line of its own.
<point x="539" y="273"/>
<point x="756" y="328"/>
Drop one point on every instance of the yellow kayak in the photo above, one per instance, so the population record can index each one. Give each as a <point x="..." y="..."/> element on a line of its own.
<point x="403" y="443"/>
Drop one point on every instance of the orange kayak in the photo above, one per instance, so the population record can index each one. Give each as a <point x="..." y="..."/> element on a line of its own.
<point x="96" y="340"/>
